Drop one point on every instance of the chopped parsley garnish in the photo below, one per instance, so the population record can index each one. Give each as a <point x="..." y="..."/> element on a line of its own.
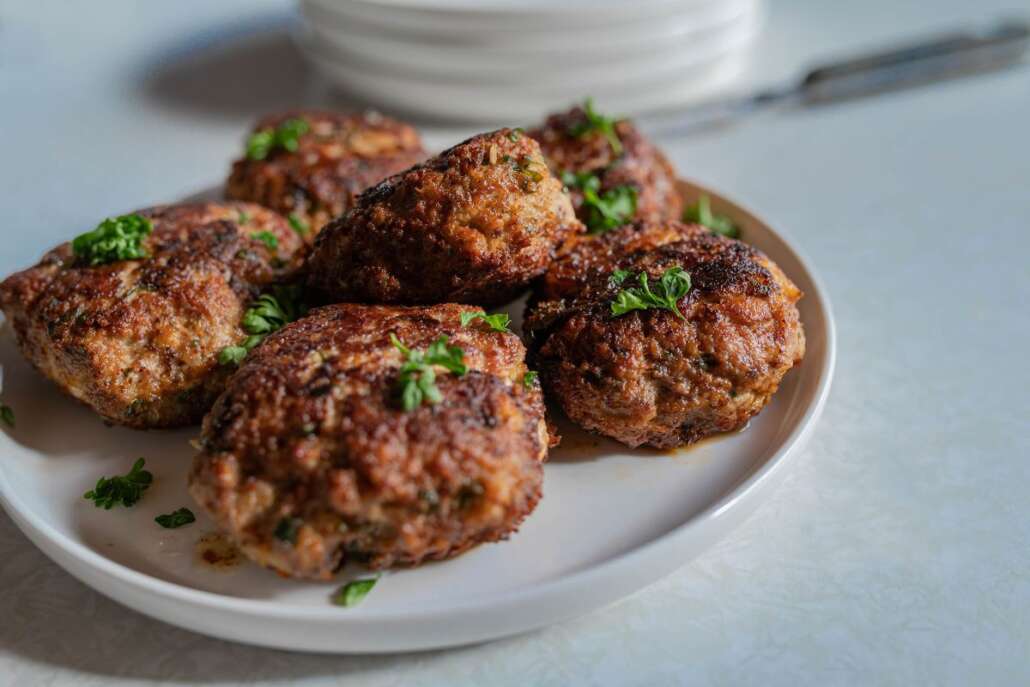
<point x="701" y="212"/>
<point x="617" y="277"/>
<point x="116" y="238"/>
<point x="243" y="218"/>
<point x="531" y="169"/>
<point x="665" y="294"/>
<point x="417" y="380"/>
<point x="125" y="490"/>
<point x="232" y="355"/>
<point x="498" y="321"/>
<point x="286" y="530"/>
<point x="284" y="136"/>
<point x="529" y="379"/>
<point x="298" y="225"/>
<point x="267" y="238"/>
<point x="7" y="415"/>
<point x="604" y="211"/>
<point x="353" y="592"/>
<point x="270" y="312"/>
<point x="175" y="519"/>
<point x="515" y="134"/>
<point x="594" y="121"/>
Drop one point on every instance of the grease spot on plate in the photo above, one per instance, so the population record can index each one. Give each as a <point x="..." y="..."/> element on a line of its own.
<point x="213" y="550"/>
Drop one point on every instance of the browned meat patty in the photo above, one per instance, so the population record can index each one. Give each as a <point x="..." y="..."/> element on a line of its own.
<point x="138" y="339"/>
<point x="309" y="459"/>
<point x="648" y="377"/>
<point x="575" y="144"/>
<point x="473" y="225"/>
<point x="336" y="156"/>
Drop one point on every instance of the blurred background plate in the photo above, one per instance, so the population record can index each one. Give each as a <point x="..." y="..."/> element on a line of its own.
<point x="448" y="19"/>
<point x="512" y="59"/>
<point x="678" y="80"/>
<point x="461" y="60"/>
<point x="575" y="36"/>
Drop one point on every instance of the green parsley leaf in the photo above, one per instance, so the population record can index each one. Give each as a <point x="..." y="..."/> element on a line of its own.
<point x="515" y="134"/>
<point x="617" y="277"/>
<point x="416" y="383"/>
<point x="232" y="355"/>
<point x="286" y="530"/>
<point x="498" y="321"/>
<point x="534" y="171"/>
<point x="298" y="225"/>
<point x="7" y="415"/>
<point x="604" y="211"/>
<point x="672" y="285"/>
<point x="529" y="379"/>
<point x="701" y="212"/>
<point x="244" y="218"/>
<point x="270" y="312"/>
<point x="260" y="144"/>
<point x="267" y="238"/>
<point x="593" y="121"/>
<point x="285" y="136"/>
<point x="121" y="489"/>
<point x="116" y="238"/>
<point x="175" y="519"/>
<point x="352" y="593"/>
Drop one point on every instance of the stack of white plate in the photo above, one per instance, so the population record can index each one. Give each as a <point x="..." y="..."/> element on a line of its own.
<point x="512" y="60"/>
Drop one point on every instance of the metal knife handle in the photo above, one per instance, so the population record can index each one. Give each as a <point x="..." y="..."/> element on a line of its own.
<point x="937" y="59"/>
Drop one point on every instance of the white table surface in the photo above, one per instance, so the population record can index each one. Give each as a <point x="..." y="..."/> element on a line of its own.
<point x="898" y="550"/>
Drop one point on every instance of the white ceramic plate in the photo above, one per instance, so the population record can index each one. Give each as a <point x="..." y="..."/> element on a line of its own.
<point x="692" y="78"/>
<point x="458" y="19"/>
<point x="611" y="521"/>
<point x="673" y="48"/>
<point x="579" y="43"/>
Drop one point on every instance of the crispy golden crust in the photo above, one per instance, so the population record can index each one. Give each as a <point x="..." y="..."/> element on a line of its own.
<point x="647" y="377"/>
<point x="641" y="164"/>
<point x="472" y="225"/>
<point x="310" y="433"/>
<point x="138" y="340"/>
<point x="338" y="158"/>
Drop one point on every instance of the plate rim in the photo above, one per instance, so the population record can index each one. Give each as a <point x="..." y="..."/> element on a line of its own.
<point x="36" y="528"/>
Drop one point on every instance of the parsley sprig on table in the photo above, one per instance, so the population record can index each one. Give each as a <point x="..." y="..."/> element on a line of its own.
<point x="353" y="592"/>
<point x="123" y="490"/>
<point x="116" y="238"/>
<point x="498" y="322"/>
<point x="665" y="294"/>
<point x="417" y="380"/>
<point x="607" y="210"/>
<point x="177" y="518"/>
<point x="284" y="136"/>
<point x="268" y="313"/>
<point x="594" y="121"/>
<point x="701" y="212"/>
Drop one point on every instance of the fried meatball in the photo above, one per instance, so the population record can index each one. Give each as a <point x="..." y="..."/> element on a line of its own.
<point x="137" y="340"/>
<point x="309" y="460"/>
<point x="473" y="225"/>
<point x="569" y="146"/>
<point x="648" y="377"/>
<point x="337" y="157"/>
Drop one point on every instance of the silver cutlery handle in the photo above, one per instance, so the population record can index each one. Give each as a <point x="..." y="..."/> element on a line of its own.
<point x="941" y="58"/>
